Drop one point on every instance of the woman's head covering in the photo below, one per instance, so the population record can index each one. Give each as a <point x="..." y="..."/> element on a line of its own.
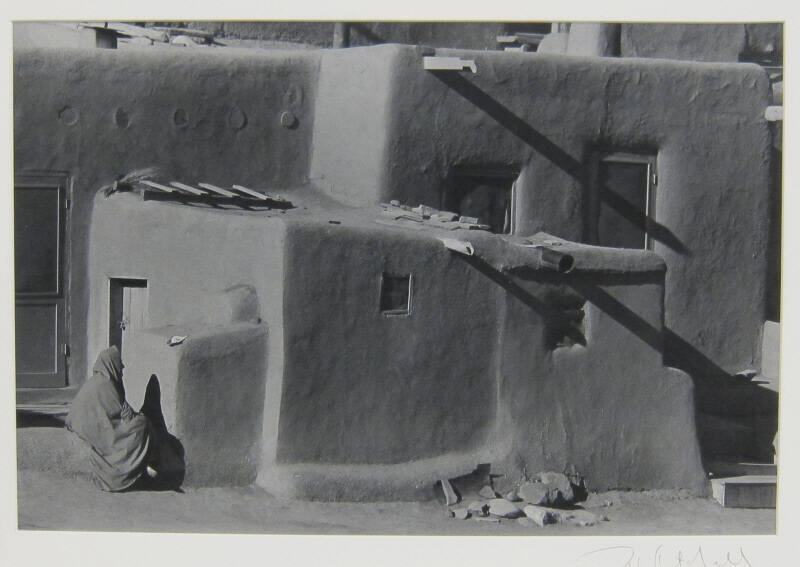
<point x="109" y="364"/>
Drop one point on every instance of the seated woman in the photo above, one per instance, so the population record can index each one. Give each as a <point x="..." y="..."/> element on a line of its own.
<point x="120" y="439"/>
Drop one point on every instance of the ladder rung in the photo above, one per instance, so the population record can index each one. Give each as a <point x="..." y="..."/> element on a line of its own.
<point x="155" y="185"/>
<point x="220" y="190"/>
<point x="250" y="192"/>
<point x="189" y="188"/>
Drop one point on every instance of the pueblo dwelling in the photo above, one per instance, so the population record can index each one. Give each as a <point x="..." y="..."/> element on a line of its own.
<point x="356" y="271"/>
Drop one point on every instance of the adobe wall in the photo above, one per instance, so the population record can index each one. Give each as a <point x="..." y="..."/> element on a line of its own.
<point x="361" y="386"/>
<point x="468" y="376"/>
<point x="608" y="408"/>
<point x="544" y="115"/>
<point x="196" y="261"/>
<point x="211" y="116"/>
<point x="211" y="388"/>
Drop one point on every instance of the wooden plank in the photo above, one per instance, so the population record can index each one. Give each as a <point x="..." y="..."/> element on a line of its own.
<point x="437" y="63"/>
<point x="187" y="188"/>
<point x="220" y="190"/>
<point x="185" y="31"/>
<point x="250" y="192"/>
<point x="129" y="30"/>
<point x="155" y="185"/>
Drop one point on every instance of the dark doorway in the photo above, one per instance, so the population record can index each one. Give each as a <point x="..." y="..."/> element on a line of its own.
<point x="40" y="276"/>
<point x="485" y="194"/>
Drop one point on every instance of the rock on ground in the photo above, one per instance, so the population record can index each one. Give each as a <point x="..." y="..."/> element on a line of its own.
<point x="504" y="509"/>
<point x="487" y="492"/>
<point x="478" y="508"/>
<point x="540" y="516"/>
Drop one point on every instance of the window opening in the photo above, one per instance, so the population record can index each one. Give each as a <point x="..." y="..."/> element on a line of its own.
<point x="395" y="294"/>
<point x="623" y="201"/>
<point x="485" y="194"/>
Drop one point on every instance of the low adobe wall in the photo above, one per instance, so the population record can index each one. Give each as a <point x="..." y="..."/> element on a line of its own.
<point x="207" y="272"/>
<point x="361" y="386"/>
<point x="376" y="406"/>
<point x="212" y="395"/>
<point x="360" y="404"/>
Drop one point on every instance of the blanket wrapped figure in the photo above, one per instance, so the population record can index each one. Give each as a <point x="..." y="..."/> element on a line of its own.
<point x="119" y="438"/>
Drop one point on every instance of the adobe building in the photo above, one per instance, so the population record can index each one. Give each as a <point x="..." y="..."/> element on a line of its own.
<point x="333" y="345"/>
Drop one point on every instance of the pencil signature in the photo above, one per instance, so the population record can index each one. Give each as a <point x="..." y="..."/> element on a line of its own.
<point x="626" y="556"/>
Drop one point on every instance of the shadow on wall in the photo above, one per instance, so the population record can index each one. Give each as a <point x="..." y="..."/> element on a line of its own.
<point x="551" y="315"/>
<point x="170" y="462"/>
<point x="550" y="150"/>
<point x="717" y="393"/>
<point x="719" y="397"/>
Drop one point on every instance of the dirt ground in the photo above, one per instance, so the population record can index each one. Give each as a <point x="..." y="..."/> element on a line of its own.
<point x="50" y="501"/>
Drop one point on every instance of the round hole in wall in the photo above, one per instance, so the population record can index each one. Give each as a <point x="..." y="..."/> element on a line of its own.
<point x="68" y="115"/>
<point x="293" y="98"/>
<point x="121" y="118"/>
<point x="180" y="118"/>
<point x="237" y="118"/>
<point x="288" y="119"/>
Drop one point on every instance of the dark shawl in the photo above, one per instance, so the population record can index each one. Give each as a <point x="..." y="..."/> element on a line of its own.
<point x="119" y="438"/>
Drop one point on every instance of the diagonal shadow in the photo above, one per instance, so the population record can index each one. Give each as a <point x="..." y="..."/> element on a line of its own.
<point x="550" y="150"/>
<point x="716" y="391"/>
<point x="641" y="220"/>
<point x="534" y="303"/>
<point x="513" y="123"/>
<point x="620" y="313"/>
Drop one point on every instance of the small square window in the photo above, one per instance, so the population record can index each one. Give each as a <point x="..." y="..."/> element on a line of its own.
<point x="395" y="294"/>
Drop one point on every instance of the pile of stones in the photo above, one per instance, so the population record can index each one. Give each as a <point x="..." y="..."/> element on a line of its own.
<point x="550" y="498"/>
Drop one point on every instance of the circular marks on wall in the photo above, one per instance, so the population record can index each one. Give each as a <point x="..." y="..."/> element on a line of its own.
<point x="180" y="118"/>
<point x="293" y="98"/>
<point x="288" y="120"/>
<point x="237" y="119"/>
<point x="68" y="115"/>
<point x="121" y="118"/>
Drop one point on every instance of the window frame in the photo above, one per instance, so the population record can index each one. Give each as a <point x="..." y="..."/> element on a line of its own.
<point x="592" y="218"/>
<point x="396" y="312"/>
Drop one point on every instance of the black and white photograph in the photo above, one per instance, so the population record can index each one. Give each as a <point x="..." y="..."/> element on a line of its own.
<point x="499" y="280"/>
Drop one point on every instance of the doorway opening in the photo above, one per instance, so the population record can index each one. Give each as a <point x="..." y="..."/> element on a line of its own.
<point x="127" y="309"/>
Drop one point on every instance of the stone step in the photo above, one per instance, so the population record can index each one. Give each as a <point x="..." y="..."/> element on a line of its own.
<point x="750" y="491"/>
<point x="731" y="468"/>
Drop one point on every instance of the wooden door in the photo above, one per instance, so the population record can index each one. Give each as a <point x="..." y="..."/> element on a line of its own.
<point x="127" y="309"/>
<point x="40" y="276"/>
